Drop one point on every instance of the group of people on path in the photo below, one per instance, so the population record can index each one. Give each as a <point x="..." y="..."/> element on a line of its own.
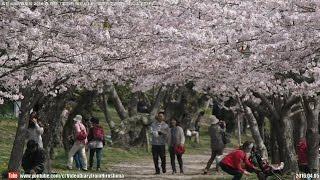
<point x="94" y="138"/>
<point x="35" y="156"/>
<point x="174" y="136"/>
<point x="162" y="134"/>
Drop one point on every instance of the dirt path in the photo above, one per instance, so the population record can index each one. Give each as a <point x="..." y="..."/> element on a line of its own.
<point x="193" y="166"/>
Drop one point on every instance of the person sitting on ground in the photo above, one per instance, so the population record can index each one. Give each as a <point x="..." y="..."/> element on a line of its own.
<point x="231" y="163"/>
<point x="33" y="160"/>
<point x="196" y="129"/>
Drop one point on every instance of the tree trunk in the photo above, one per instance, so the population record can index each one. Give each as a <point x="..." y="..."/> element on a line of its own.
<point x="132" y="107"/>
<point x="30" y="99"/>
<point x="312" y="115"/>
<point x="104" y="107"/>
<point x="255" y="132"/>
<point x="156" y="104"/>
<point x="281" y="117"/>
<point x="274" y="147"/>
<point x="290" y="156"/>
<point x="50" y="113"/>
<point x="122" y="112"/>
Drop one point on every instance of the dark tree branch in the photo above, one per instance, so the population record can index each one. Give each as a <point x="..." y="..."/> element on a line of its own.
<point x="268" y="104"/>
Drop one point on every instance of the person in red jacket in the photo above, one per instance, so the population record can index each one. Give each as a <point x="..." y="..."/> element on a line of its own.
<point x="302" y="151"/>
<point x="231" y="163"/>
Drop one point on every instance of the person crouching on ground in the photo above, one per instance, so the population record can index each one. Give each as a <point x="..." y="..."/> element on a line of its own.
<point x="175" y="138"/>
<point x="231" y="163"/>
<point x="159" y="130"/>
<point x="79" y="144"/>
<point x="33" y="160"/>
<point x="96" y="142"/>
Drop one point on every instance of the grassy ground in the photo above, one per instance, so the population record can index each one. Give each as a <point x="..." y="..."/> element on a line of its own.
<point x="111" y="155"/>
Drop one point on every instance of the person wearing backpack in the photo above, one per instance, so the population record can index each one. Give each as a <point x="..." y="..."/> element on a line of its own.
<point x="80" y="142"/>
<point x="96" y="142"/>
<point x="217" y="144"/>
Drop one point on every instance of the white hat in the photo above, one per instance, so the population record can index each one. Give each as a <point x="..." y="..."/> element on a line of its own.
<point x="214" y="119"/>
<point x="78" y="118"/>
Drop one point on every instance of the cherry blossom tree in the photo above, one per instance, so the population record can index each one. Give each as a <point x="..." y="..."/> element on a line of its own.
<point x="231" y="47"/>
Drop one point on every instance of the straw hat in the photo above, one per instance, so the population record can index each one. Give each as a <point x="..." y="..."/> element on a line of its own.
<point x="78" y="118"/>
<point x="214" y="119"/>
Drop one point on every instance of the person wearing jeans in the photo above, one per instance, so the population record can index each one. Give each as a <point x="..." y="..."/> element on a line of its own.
<point x="159" y="130"/>
<point x="77" y="159"/>
<point x="95" y="143"/>
<point x="175" y="138"/>
<point x="79" y="145"/>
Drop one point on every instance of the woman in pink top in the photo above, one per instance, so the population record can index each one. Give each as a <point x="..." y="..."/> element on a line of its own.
<point x="79" y="144"/>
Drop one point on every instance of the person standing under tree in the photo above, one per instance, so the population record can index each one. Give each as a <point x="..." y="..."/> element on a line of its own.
<point x="159" y="130"/>
<point x="175" y="138"/>
<point x="96" y="142"/>
<point x="35" y="129"/>
<point x="217" y="144"/>
<point x="80" y="142"/>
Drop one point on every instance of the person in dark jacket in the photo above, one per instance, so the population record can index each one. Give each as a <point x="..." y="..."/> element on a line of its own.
<point x="95" y="143"/>
<point x="33" y="160"/>
<point x="217" y="144"/>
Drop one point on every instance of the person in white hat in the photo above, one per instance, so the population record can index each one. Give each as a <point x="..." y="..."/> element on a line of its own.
<point x="217" y="144"/>
<point x="80" y="142"/>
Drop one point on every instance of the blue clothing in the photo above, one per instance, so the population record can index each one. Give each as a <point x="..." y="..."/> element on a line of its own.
<point x="77" y="159"/>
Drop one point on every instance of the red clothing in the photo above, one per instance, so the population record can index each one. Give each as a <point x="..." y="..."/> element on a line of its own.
<point x="78" y="127"/>
<point x="234" y="159"/>
<point x="302" y="152"/>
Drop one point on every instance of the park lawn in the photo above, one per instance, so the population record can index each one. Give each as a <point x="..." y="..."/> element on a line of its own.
<point x="7" y="134"/>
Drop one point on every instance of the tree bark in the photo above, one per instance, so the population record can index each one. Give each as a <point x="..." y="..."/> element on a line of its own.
<point x="104" y="107"/>
<point x="274" y="147"/>
<point x="30" y="99"/>
<point x="290" y="158"/>
<point x="312" y="115"/>
<point x="255" y="132"/>
<point x="50" y="114"/>
<point x="280" y="114"/>
<point x="132" y="107"/>
<point x="122" y="112"/>
<point x="156" y="104"/>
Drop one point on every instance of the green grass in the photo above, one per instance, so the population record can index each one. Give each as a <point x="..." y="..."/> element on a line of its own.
<point x="7" y="134"/>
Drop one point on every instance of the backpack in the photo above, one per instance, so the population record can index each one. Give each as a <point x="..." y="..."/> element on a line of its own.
<point x="98" y="133"/>
<point x="82" y="135"/>
<point x="225" y="138"/>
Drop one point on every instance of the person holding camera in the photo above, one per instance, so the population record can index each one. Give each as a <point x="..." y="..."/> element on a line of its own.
<point x="159" y="130"/>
